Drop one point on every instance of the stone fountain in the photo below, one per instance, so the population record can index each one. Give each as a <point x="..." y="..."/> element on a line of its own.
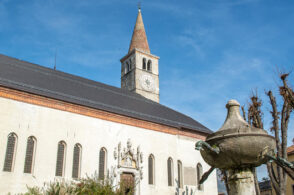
<point x="237" y="148"/>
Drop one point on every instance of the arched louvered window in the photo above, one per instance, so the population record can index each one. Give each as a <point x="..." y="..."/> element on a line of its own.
<point x="60" y="161"/>
<point x="102" y="163"/>
<point x="170" y="171"/>
<point x="30" y="155"/>
<point x="76" y="167"/>
<point x="144" y="64"/>
<point x="199" y="175"/>
<point x="131" y="64"/>
<point x="10" y="152"/>
<point x="180" y="174"/>
<point x="149" y="65"/>
<point x="151" y="169"/>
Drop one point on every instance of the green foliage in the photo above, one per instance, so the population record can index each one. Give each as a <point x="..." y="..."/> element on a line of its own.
<point x="85" y="186"/>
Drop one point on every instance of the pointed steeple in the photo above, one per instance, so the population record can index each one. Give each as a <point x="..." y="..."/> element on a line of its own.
<point x="139" y="38"/>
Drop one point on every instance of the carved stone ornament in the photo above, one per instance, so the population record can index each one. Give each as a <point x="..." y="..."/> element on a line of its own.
<point x="128" y="157"/>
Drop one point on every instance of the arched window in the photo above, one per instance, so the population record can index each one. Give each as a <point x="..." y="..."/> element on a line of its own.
<point x="180" y="174"/>
<point x="60" y="162"/>
<point x="102" y="163"/>
<point x="151" y="169"/>
<point x="199" y="175"/>
<point x="76" y="166"/>
<point x="130" y="63"/>
<point x="149" y="65"/>
<point x="10" y="152"/>
<point x="30" y="155"/>
<point x="127" y="66"/>
<point x="170" y="171"/>
<point x="144" y="64"/>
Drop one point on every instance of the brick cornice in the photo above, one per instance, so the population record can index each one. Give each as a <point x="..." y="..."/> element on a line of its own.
<point x="95" y="113"/>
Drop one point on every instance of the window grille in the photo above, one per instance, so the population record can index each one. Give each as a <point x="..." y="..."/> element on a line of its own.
<point x="170" y="172"/>
<point x="28" y="166"/>
<point x="102" y="163"/>
<point x="10" y="150"/>
<point x="151" y="169"/>
<point x="76" y="167"/>
<point x="180" y="174"/>
<point x="60" y="159"/>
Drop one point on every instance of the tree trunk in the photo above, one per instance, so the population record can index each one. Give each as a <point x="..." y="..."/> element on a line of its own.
<point x="257" y="190"/>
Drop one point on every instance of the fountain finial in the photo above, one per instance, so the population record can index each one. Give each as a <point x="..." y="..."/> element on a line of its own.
<point x="234" y="118"/>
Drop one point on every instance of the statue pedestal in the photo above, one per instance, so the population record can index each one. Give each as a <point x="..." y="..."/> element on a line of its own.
<point x="241" y="182"/>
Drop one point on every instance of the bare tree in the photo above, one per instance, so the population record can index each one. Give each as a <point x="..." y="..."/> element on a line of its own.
<point x="279" y="128"/>
<point x="255" y="119"/>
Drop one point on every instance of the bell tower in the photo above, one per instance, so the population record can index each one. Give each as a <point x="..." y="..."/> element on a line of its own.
<point x="139" y="68"/>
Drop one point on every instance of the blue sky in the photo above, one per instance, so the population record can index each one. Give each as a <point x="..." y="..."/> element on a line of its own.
<point x="210" y="51"/>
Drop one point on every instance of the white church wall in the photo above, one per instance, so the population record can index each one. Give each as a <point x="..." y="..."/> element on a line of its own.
<point x="49" y="126"/>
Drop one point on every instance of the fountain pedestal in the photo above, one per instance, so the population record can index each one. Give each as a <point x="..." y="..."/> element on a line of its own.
<point x="241" y="182"/>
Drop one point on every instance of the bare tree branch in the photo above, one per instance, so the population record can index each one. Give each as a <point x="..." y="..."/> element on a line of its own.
<point x="272" y="177"/>
<point x="275" y="128"/>
<point x="244" y="113"/>
<point x="257" y="190"/>
<point x="286" y="91"/>
<point x="254" y="109"/>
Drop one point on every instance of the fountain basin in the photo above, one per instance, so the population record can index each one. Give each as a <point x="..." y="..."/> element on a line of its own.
<point x="238" y="150"/>
<point x="239" y="145"/>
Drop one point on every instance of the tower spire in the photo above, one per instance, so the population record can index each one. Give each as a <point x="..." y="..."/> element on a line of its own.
<point x="139" y="38"/>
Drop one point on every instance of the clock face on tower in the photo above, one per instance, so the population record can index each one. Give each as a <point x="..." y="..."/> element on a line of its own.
<point x="147" y="82"/>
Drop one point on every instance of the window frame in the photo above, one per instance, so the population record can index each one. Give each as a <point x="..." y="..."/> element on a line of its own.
<point x="13" y="155"/>
<point x="149" y="65"/>
<point x="64" y="159"/>
<point x="33" y="155"/>
<point x="102" y="177"/>
<point x="170" y="172"/>
<point x="151" y="156"/>
<point x="79" y="161"/>
<point x="180" y="174"/>
<point x="144" y="64"/>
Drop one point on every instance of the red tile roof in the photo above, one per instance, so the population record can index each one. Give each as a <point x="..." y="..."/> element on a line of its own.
<point x="290" y="150"/>
<point x="139" y="38"/>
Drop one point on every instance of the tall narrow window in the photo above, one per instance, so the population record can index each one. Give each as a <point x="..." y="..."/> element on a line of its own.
<point x="125" y="68"/>
<point x="144" y="64"/>
<point x="60" y="162"/>
<point x="130" y="63"/>
<point x="149" y="65"/>
<point x="76" y="167"/>
<point x="128" y="66"/>
<point x="151" y="169"/>
<point x="102" y="163"/>
<point x="10" y="152"/>
<point x="170" y="171"/>
<point x="29" y="159"/>
<point x="180" y="174"/>
<point x="199" y="175"/>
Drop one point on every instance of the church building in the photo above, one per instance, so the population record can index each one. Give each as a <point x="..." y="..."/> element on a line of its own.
<point x="56" y="126"/>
